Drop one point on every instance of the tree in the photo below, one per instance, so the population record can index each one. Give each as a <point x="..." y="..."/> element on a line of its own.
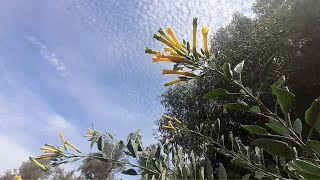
<point x="92" y="168"/>
<point x="29" y="170"/>
<point x="9" y="175"/>
<point x="290" y="30"/>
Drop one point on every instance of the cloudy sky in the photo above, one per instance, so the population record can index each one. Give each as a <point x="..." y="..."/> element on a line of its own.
<point x="67" y="64"/>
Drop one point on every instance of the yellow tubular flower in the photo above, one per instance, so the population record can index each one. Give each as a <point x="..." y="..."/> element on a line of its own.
<point x="63" y="141"/>
<point x="205" y="31"/>
<point x="38" y="164"/>
<point x="167" y="127"/>
<point x="150" y="51"/>
<point x="173" y="82"/>
<point x="172" y="42"/>
<point x="194" y="47"/>
<point x="164" y="41"/>
<point x="156" y="59"/>
<point x="166" y="71"/>
<point x="17" y="178"/>
<point x="47" y="149"/>
<point x="177" y="121"/>
<point x="173" y="36"/>
<point x="167" y="117"/>
<point x="166" y="49"/>
<point x="73" y="146"/>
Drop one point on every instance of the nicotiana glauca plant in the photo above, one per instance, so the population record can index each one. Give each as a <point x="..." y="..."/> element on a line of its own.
<point x="291" y="153"/>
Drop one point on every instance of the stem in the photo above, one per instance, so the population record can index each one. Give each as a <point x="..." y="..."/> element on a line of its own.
<point x="309" y="135"/>
<point x="250" y="165"/>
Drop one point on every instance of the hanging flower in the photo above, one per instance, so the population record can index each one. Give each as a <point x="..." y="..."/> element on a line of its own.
<point x="166" y="71"/>
<point x="63" y="141"/>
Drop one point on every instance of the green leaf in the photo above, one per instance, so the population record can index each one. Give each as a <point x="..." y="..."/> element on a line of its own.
<point x="258" y="175"/>
<point x="100" y="143"/>
<point x="133" y="136"/>
<point x="297" y="126"/>
<point x="201" y="174"/>
<point x="193" y="161"/>
<point x="222" y="174"/>
<point x="246" y="177"/>
<point x="157" y="154"/>
<point x="239" y="106"/>
<point x="216" y="93"/>
<point x="111" y="136"/>
<point x="239" y="67"/>
<point x="228" y="75"/>
<point x="130" y="172"/>
<point x="275" y="147"/>
<point x="314" y="145"/>
<point x="264" y="72"/>
<point x="280" y="82"/>
<point x="255" y="109"/>
<point x="209" y="170"/>
<point x="278" y="128"/>
<point x="312" y="115"/>
<point x="94" y="140"/>
<point x="255" y="129"/>
<point x="284" y="98"/>
<point x="133" y="148"/>
<point x="305" y="168"/>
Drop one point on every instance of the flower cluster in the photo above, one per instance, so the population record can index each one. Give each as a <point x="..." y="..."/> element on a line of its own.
<point x="54" y="153"/>
<point x="180" y="53"/>
<point x="170" y="120"/>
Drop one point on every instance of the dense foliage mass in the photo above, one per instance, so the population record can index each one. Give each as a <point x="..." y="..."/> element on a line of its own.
<point x="287" y="30"/>
<point x="230" y="103"/>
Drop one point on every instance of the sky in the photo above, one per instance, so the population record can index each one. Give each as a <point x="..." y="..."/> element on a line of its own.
<point x="67" y="64"/>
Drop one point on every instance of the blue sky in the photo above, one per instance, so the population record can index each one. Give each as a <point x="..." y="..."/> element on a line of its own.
<point x="67" y="64"/>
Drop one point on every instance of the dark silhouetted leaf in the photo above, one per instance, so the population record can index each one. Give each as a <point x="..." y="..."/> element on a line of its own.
<point x="216" y="93"/>
<point x="130" y="172"/>
<point x="255" y="129"/>
<point x="275" y="147"/>
<point x="239" y="106"/>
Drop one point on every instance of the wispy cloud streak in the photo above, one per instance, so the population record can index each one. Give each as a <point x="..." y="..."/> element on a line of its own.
<point x="49" y="56"/>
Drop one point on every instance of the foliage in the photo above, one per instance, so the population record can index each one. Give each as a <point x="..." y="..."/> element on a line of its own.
<point x="283" y="38"/>
<point x="92" y="168"/>
<point x="280" y="151"/>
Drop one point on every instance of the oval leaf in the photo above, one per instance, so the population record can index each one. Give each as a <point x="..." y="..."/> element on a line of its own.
<point x="297" y="126"/>
<point x="312" y="115"/>
<point x="278" y="128"/>
<point x="222" y="174"/>
<point x="255" y="109"/>
<point x="255" y="129"/>
<point x="314" y="145"/>
<point x="239" y="67"/>
<point x="100" y="143"/>
<point x="284" y="98"/>
<point x="307" y="169"/>
<point x="216" y="93"/>
<point x="246" y="177"/>
<point x="228" y="75"/>
<point x="239" y="106"/>
<point x="275" y="147"/>
<point x="130" y="172"/>
<point x="209" y="170"/>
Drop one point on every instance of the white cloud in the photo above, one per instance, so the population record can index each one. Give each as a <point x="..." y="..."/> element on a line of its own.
<point x="26" y="122"/>
<point x="11" y="153"/>
<point x="49" y="56"/>
<point x="55" y="122"/>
